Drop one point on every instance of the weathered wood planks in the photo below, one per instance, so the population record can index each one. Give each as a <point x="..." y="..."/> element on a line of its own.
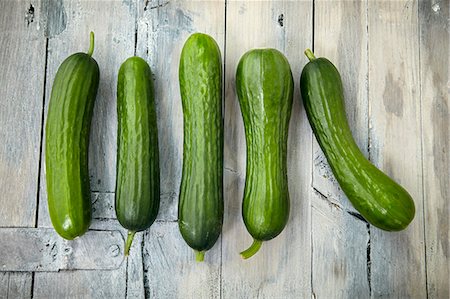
<point x="42" y="250"/>
<point x="67" y="29"/>
<point x="162" y="29"/>
<point x="394" y="60"/>
<point x="434" y="90"/>
<point x="281" y="269"/>
<point x="21" y="88"/>
<point x="170" y="269"/>
<point x="341" y="241"/>
<point x="398" y="259"/>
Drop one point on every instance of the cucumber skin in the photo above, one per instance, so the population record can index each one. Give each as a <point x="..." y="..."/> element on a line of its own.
<point x="200" y="209"/>
<point x="138" y="178"/>
<point x="67" y="143"/>
<point x="264" y="85"/>
<point x="380" y="200"/>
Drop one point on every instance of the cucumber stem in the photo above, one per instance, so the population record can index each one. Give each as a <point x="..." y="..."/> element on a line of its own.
<point x="199" y="256"/>
<point x="310" y="55"/>
<point x="91" y="47"/>
<point x="128" y="242"/>
<point x="256" y="245"/>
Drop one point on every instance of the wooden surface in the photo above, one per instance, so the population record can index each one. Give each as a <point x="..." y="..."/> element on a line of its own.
<point x="394" y="60"/>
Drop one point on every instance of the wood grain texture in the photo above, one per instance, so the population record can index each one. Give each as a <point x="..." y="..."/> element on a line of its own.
<point x="342" y="39"/>
<point x="80" y="284"/>
<point x="435" y="84"/>
<point x="114" y="28"/>
<point x="22" y="58"/>
<point x="68" y="26"/>
<point x="21" y="87"/>
<point x="281" y="269"/>
<point x="41" y="249"/>
<point x="394" y="60"/>
<point x="15" y="285"/>
<point x="340" y="240"/>
<point x="170" y="269"/>
<point x="135" y="270"/>
<point x="163" y="27"/>
<point x="398" y="259"/>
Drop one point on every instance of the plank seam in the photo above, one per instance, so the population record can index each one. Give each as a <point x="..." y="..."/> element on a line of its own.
<point x="136" y="26"/>
<point x="36" y="217"/>
<point x="223" y="124"/>
<point x="421" y="148"/>
<point x="32" y="285"/>
<point x="126" y="276"/>
<point x="313" y="295"/>
<point x="369" y="142"/>
<point x="7" y="289"/>
<point x="144" y="271"/>
<point x="369" y="262"/>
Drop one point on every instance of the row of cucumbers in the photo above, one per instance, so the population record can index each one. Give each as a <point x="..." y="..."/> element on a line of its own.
<point x="264" y="86"/>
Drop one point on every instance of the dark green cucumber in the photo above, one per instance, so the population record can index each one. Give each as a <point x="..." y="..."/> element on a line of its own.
<point x="380" y="200"/>
<point x="67" y="142"/>
<point x="265" y="87"/>
<point x="137" y="180"/>
<point x="200" y="210"/>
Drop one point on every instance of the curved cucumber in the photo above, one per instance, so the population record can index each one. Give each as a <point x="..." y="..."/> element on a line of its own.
<point x="380" y="200"/>
<point x="67" y="142"/>
<point x="265" y="87"/>
<point x="200" y="210"/>
<point x="137" y="180"/>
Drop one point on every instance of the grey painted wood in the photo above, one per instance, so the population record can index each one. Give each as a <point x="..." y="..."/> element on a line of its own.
<point x="114" y="28"/>
<point x="398" y="259"/>
<point x="22" y="58"/>
<point x="324" y="252"/>
<point x="41" y="249"/>
<point x="163" y="27"/>
<point x="341" y="241"/>
<point x="281" y="269"/>
<point x="21" y="88"/>
<point x="170" y="269"/>
<point x="434" y="77"/>
<point x="135" y="270"/>
<point x="4" y="279"/>
<point x="343" y="40"/>
<point x="80" y="284"/>
<point x="15" y="285"/>
<point x="339" y="267"/>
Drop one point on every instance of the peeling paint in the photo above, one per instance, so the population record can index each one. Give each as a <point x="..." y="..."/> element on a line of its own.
<point x="393" y="96"/>
<point x="29" y="16"/>
<point x="436" y="7"/>
<point x="54" y="17"/>
<point x="281" y="20"/>
<point x="131" y="5"/>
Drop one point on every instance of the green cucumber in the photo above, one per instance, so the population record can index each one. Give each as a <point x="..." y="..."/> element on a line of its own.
<point x="380" y="200"/>
<point x="67" y="143"/>
<point x="200" y="209"/>
<point x="137" y="180"/>
<point x="265" y="88"/>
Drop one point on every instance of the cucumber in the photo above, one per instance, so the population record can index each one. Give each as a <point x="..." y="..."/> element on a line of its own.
<point x="380" y="200"/>
<point x="67" y="142"/>
<point x="265" y="87"/>
<point x="200" y="208"/>
<point x="137" y="179"/>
